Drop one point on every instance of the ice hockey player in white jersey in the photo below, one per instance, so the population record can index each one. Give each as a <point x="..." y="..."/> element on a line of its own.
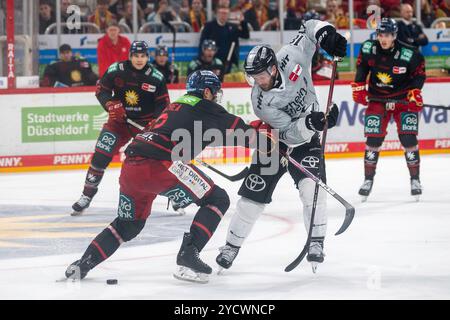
<point x="284" y="98"/>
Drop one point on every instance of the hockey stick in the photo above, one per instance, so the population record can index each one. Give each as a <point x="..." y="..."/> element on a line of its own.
<point x="230" y="53"/>
<point x="239" y="176"/>
<point x="349" y="209"/>
<point x="433" y="106"/>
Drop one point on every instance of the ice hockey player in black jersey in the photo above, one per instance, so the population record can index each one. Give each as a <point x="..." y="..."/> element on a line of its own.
<point x="168" y="69"/>
<point x="396" y="71"/>
<point x="68" y="71"/>
<point x="155" y="166"/>
<point x="208" y="60"/>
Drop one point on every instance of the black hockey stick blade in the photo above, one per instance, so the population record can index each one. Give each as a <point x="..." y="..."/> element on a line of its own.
<point x="297" y="260"/>
<point x="349" y="214"/>
<point x="241" y="175"/>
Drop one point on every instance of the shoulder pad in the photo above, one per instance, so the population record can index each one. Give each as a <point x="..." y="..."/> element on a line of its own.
<point x="193" y="64"/>
<point x="218" y="61"/>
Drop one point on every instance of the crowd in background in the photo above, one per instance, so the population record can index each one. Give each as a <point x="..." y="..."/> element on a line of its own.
<point x="258" y="14"/>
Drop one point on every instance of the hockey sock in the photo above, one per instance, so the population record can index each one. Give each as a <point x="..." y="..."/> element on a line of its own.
<point x="102" y="247"/>
<point x="370" y="162"/>
<point x="205" y="223"/>
<point x="93" y="178"/>
<point x="413" y="162"/>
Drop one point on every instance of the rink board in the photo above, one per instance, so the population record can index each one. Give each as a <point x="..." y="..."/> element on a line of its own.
<point x="57" y="128"/>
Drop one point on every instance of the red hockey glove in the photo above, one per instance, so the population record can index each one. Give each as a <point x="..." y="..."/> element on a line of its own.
<point x="256" y="124"/>
<point x="415" y="100"/>
<point x="116" y="110"/>
<point x="359" y="92"/>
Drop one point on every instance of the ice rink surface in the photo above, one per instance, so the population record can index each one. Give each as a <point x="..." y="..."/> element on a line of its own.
<point x="396" y="248"/>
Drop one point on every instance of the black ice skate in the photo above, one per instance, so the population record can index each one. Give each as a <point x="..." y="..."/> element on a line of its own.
<point x="315" y="254"/>
<point x="226" y="256"/>
<point x="81" y="205"/>
<point x="79" y="269"/>
<point x="416" y="188"/>
<point x="365" y="189"/>
<point x="190" y="266"/>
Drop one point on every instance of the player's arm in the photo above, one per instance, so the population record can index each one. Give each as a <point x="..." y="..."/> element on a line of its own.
<point x="162" y="99"/>
<point x="89" y="77"/>
<point x="325" y="35"/>
<point x="417" y="80"/>
<point x="104" y="94"/>
<point x="359" y="91"/>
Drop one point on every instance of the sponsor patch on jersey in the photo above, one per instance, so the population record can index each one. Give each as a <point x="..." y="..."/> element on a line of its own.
<point x="399" y="70"/>
<point x="113" y="67"/>
<point x="158" y="75"/>
<point x="126" y="209"/>
<point x="295" y="73"/>
<point x="84" y="64"/>
<point x="366" y="47"/>
<point x="195" y="183"/>
<point x="409" y="122"/>
<point x="106" y="142"/>
<point x="372" y="124"/>
<point x="148" y="87"/>
<point x="180" y="196"/>
<point x="406" y="54"/>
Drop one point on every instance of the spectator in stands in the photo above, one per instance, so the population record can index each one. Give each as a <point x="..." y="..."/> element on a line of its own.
<point x="390" y="8"/>
<point x="224" y="34"/>
<point x="112" y="47"/>
<point x="294" y="12"/>
<point x="245" y="8"/>
<point x="102" y="16"/>
<point x="164" y="12"/>
<point x="169" y="70"/>
<point x="443" y="10"/>
<point x="68" y="71"/>
<point x="265" y="15"/>
<point x="207" y="60"/>
<point x="196" y="16"/>
<point x="183" y="10"/>
<point x="427" y="13"/>
<point x="408" y="30"/>
<point x="46" y="16"/>
<point x="127" y="19"/>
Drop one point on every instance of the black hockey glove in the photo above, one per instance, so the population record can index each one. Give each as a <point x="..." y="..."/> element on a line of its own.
<point x="332" y="42"/>
<point x="316" y="120"/>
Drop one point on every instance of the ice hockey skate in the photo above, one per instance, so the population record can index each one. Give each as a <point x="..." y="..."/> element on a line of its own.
<point x="189" y="265"/>
<point x="226" y="256"/>
<point x="416" y="189"/>
<point x="365" y="189"/>
<point x="180" y="211"/>
<point x="81" y="205"/>
<point x="315" y="254"/>
<point x="78" y="270"/>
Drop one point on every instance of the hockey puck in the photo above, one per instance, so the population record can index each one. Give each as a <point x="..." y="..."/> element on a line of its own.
<point x="111" y="281"/>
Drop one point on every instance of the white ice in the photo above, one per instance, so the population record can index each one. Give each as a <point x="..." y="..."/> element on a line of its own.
<point x="396" y="248"/>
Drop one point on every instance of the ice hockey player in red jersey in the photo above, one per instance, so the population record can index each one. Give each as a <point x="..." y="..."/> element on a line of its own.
<point x="396" y="72"/>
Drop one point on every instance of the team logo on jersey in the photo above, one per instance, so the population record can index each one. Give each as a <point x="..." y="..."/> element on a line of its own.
<point x="399" y="70"/>
<point x="295" y="73"/>
<point x="384" y="78"/>
<point x="255" y="183"/>
<point x="131" y="97"/>
<point x="148" y="87"/>
<point x="75" y="75"/>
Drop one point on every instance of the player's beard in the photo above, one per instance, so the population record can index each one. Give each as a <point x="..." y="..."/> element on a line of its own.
<point x="271" y="83"/>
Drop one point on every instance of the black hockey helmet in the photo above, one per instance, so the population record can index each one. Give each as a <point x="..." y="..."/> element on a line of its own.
<point x="199" y="80"/>
<point x="139" y="47"/>
<point x="161" y="51"/>
<point x="260" y="58"/>
<point x="387" y="25"/>
<point x="209" y="44"/>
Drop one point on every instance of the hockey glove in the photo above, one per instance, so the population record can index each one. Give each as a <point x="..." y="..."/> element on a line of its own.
<point x="316" y="120"/>
<point x="332" y="42"/>
<point x="116" y="110"/>
<point x="415" y="100"/>
<point x="256" y="124"/>
<point x="359" y="92"/>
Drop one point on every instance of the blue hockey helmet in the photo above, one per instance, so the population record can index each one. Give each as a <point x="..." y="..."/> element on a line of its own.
<point x="139" y="47"/>
<point x="199" y="80"/>
<point x="387" y="25"/>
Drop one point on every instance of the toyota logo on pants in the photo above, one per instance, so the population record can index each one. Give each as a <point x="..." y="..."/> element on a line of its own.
<point x="310" y="162"/>
<point x="255" y="183"/>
